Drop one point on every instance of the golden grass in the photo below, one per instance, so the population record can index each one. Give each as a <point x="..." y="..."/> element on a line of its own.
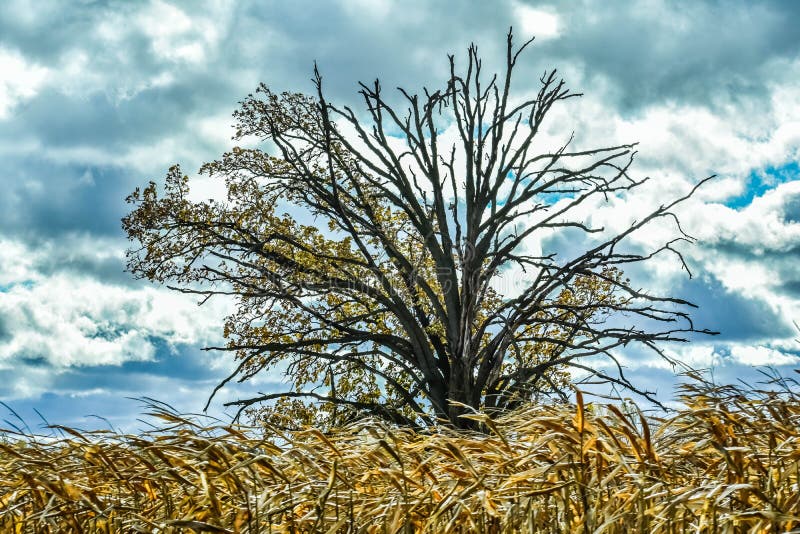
<point x="727" y="462"/>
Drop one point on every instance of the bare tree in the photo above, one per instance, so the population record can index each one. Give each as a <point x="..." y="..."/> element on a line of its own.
<point x="391" y="311"/>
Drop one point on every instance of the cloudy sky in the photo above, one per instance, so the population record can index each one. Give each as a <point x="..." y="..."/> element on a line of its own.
<point x="101" y="96"/>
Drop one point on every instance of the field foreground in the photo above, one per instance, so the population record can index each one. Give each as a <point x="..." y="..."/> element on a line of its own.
<point x="728" y="462"/>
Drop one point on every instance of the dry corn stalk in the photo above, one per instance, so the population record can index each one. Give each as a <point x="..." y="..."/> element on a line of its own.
<point x="729" y="461"/>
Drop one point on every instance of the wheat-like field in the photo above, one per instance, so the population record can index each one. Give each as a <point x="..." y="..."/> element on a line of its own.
<point x="727" y="462"/>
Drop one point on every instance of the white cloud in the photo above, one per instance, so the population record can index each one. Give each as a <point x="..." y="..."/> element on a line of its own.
<point x="750" y="251"/>
<point x="20" y="80"/>
<point x="696" y="355"/>
<point x="681" y="143"/>
<point x="372" y="9"/>
<point x="542" y="23"/>
<point x="175" y="35"/>
<point x="759" y="225"/>
<point x="761" y="355"/>
<point x="104" y="59"/>
<point x="16" y="263"/>
<point x="71" y="320"/>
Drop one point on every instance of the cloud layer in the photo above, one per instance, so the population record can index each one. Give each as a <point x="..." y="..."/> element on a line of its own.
<point x="96" y="98"/>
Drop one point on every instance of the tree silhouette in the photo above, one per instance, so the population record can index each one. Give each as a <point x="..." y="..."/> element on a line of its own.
<point x="384" y="304"/>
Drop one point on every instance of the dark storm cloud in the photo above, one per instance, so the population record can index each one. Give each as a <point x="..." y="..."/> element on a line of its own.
<point x="651" y="51"/>
<point x="734" y="249"/>
<point x="791" y="210"/>
<point x="97" y="120"/>
<point x="679" y="50"/>
<point x="46" y="31"/>
<point x="108" y="269"/>
<point x="183" y="363"/>
<point x="5" y="329"/>
<point x="44" y="199"/>
<point x="407" y="47"/>
<point x="47" y="196"/>
<point x="734" y="316"/>
<point x="792" y="287"/>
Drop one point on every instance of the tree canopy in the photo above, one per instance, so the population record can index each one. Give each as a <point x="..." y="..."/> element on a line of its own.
<point x="384" y="302"/>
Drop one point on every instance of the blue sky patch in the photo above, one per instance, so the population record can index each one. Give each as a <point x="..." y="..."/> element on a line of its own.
<point x="761" y="181"/>
<point x="27" y="284"/>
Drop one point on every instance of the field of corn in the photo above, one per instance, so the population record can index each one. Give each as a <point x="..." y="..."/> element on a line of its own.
<point x="729" y="461"/>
